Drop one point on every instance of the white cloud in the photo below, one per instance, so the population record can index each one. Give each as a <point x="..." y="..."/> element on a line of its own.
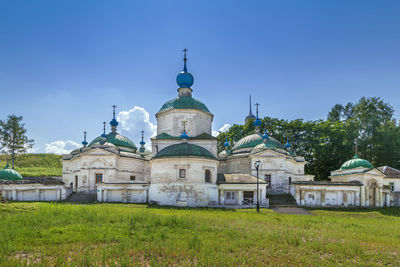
<point x="134" y="121"/>
<point x="223" y="129"/>
<point x="61" y="147"/>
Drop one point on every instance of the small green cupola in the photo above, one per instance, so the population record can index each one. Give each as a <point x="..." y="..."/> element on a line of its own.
<point x="9" y="174"/>
<point x="356" y="162"/>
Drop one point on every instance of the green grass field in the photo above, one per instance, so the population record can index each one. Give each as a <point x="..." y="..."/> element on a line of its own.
<point x="58" y="234"/>
<point x="36" y="165"/>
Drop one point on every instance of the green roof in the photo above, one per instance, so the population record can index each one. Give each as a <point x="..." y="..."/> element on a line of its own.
<point x="9" y="174"/>
<point x="184" y="150"/>
<point x="184" y="102"/>
<point x="254" y="140"/>
<point x="203" y="136"/>
<point x="115" y="139"/>
<point x="356" y="162"/>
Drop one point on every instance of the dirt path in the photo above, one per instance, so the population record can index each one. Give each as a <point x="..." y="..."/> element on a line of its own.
<point x="291" y="210"/>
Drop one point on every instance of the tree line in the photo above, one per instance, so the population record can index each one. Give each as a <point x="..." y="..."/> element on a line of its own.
<point x="368" y="124"/>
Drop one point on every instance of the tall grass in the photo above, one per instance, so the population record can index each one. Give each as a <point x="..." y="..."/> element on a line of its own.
<point x="123" y="234"/>
<point x="37" y="165"/>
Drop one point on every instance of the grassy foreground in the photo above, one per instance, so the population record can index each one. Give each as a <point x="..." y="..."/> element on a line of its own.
<point x="61" y="234"/>
<point x="37" y="165"/>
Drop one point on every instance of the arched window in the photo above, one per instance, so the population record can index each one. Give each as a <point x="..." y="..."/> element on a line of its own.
<point x="207" y="176"/>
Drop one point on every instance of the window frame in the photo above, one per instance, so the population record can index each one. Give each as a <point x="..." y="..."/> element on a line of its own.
<point x="101" y="179"/>
<point x="207" y="176"/>
<point x="182" y="173"/>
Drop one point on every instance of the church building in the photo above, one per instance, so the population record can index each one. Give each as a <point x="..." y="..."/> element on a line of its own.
<point x="184" y="167"/>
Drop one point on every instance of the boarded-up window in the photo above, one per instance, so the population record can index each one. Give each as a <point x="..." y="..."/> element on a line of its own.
<point x="207" y="176"/>
<point x="133" y="178"/>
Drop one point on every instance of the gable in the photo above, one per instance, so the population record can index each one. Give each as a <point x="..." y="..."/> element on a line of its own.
<point x="97" y="152"/>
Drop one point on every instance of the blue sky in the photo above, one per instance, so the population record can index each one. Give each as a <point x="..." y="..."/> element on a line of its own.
<point x="63" y="64"/>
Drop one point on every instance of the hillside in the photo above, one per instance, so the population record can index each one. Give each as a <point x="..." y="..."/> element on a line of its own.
<point x="39" y="165"/>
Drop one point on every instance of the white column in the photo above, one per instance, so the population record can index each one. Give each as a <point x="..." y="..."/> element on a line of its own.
<point x="37" y="194"/>
<point x="99" y="195"/>
<point x="240" y="197"/>
<point x="14" y="195"/>
<point x="221" y="197"/>
<point x="388" y="200"/>
<point x="377" y="197"/>
<point x="105" y="195"/>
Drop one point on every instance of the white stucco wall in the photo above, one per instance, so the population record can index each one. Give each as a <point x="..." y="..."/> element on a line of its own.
<point x="197" y="122"/>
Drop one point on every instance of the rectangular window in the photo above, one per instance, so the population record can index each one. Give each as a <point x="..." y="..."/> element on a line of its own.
<point x="133" y="178"/>
<point x="182" y="173"/>
<point x="391" y="186"/>
<point x="268" y="180"/>
<point x="99" y="178"/>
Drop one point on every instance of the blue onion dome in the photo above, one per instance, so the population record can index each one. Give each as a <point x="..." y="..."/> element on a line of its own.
<point x="265" y="135"/>
<point x="257" y="122"/>
<point x="287" y="145"/>
<point x="184" y="135"/>
<point x="185" y="79"/>
<point x="9" y="174"/>
<point x="84" y="143"/>
<point x="142" y="143"/>
<point x="226" y="144"/>
<point x="114" y="122"/>
<point x="356" y="162"/>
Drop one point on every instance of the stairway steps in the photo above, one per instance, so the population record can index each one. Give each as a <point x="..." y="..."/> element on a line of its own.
<point x="82" y="197"/>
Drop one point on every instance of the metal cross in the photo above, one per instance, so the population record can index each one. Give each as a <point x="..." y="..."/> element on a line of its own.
<point x="184" y="51"/>
<point x="104" y="127"/>
<point x="84" y="136"/>
<point x="184" y="125"/>
<point x="142" y="135"/>
<point x="114" y="106"/>
<point x="257" y="108"/>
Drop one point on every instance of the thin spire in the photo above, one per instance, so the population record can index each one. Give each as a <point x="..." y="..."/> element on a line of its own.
<point x="257" y="104"/>
<point x="142" y="143"/>
<point x="250" y="103"/>
<point x="184" y="60"/>
<point x="104" y="129"/>
<point x="84" y="142"/>
<point x="114" y="122"/>
<point x="114" y="106"/>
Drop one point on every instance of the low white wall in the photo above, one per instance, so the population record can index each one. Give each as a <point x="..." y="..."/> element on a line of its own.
<point x="125" y="193"/>
<point x="184" y="194"/>
<point x="34" y="192"/>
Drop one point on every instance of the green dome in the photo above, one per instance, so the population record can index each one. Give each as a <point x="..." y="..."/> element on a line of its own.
<point x="9" y="174"/>
<point x="254" y="140"/>
<point x="184" y="150"/>
<point x="356" y="162"/>
<point x="115" y="139"/>
<point x="184" y="102"/>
